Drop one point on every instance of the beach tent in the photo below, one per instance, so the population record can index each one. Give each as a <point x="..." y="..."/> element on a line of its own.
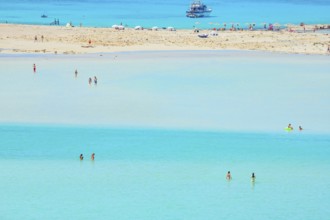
<point x="277" y="26"/>
<point x="118" y="27"/>
<point x="68" y="25"/>
<point x="171" y="29"/>
<point x="214" y="33"/>
<point x="138" y="28"/>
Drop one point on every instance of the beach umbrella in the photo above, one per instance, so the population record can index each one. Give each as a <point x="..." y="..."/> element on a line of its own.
<point x="155" y="28"/>
<point x="120" y="27"/>
<point x="170" y="28"/>
<point x="138" y="28"/>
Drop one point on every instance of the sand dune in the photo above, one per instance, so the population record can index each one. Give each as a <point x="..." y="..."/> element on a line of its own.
<point x="75" y="40"/>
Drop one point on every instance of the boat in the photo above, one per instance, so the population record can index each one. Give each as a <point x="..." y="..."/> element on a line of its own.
<point x="203" y="35"/>
<point x="197" y="10"/>
<point x="44" y="16"/>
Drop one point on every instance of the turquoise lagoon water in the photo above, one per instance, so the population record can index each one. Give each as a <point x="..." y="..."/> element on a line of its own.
<point x="161" y="174"/>
<point x="105" y="13"/>
<point x="175" y="171"/>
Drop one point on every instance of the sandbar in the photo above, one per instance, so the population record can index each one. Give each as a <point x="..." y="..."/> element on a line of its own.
<point x="17" y="38"/>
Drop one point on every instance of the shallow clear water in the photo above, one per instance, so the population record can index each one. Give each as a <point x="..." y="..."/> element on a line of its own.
<point x="161" y="174"/>
<point x="218" y="90"/>
<point x="105" y="13"/>
<point x="158" y="173"/>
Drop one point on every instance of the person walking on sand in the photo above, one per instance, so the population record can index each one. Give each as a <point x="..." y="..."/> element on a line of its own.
<point x="228" y="176"/>
<point x="42" y="38"/>
<point x="93" y="156"/>
<point x="35" y="38"/>
<point x="34" y="68"/>
<point x="81" y="157"/>
<point x="90" y="42"/>
<point x="90" y="81"/>
<point x="328" y="48"/>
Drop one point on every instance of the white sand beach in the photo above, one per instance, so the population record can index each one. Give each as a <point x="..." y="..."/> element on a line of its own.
<point x="75" y="40"/>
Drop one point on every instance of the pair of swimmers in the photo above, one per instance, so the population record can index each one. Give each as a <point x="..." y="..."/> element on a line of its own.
<point x="228" y="176"/>
<point x="81" y="157"/>
<point x="291" y="128"/>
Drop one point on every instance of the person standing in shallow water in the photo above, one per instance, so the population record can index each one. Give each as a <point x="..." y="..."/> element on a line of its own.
<point x="34" y="68"/>
<point x="76" y="73"/>
<point x="90" y="81"/>
<point x="228" y="176"/>
<point x="81" y="157"/>
<point x="95" y="80"/>
<point x="93" y="156"/>
<point x="253" y="177"/>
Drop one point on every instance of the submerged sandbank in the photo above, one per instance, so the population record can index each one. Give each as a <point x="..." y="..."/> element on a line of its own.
<point x="212" y="90"/>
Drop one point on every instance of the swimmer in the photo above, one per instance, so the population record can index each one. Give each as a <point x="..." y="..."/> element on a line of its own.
<point x="93" y="156"/>
<point x="290" y="127"/>
<point x="300" y="128"/>
<point x="81" y="157"/>
<point x="228" y="176"/>
<point x="253" y="177"/>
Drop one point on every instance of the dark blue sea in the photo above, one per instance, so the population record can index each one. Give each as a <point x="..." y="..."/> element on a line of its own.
<point x="149" y="13"/>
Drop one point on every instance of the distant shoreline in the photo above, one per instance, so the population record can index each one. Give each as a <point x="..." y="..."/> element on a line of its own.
<point x="153" y="54"/>
<point x="42" y="39"/>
